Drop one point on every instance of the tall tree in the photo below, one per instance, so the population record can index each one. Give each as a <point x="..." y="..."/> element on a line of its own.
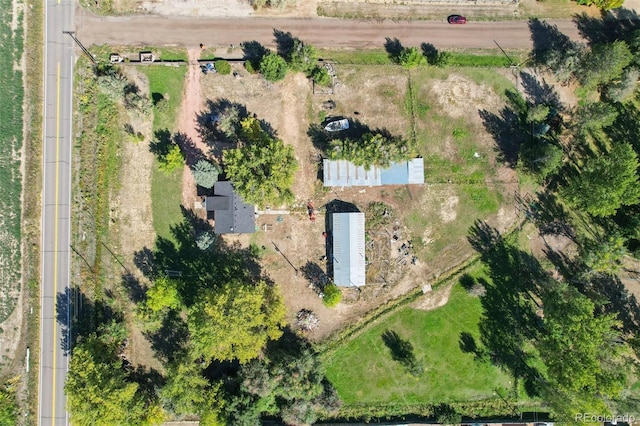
<point x="606" y="182"/>
<point x="579" y="348"/>
<point x="236" y="321"/>
<point x="262" y="168"/>
<point x="100" y="392"/>
<point x="604" y="63"/>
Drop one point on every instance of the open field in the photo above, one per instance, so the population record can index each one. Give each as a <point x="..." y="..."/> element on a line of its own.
<point x="364" y="373"/>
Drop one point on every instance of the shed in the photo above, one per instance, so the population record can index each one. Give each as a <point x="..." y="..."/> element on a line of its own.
<point x="348" y="249"/>
<point x="231" y="214"/>
<point x="345" y="173"/>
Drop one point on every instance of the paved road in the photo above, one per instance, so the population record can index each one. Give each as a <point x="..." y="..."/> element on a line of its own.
<point x="321" y="32"/>
<point x="56" y="211"/>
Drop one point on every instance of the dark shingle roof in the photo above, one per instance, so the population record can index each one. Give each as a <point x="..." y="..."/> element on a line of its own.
<point x="231" y="214"/>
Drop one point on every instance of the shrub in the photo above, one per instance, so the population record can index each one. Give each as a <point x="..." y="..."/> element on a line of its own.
<point x="173" y="160"/>
<point x="223" y="67"/>
<point x="411" y="57"/>
<point x="205" y="240"/>
<point x="321" y="76"/>
<point x="332" y="295"/>
<point x="250" y="67"/>
<point x="273" y="67"/>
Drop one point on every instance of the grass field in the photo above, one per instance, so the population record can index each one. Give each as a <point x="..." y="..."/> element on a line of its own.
<point x="12" y="94"/>
<point x="364" y="373"/>
<point x="458" y="161"/>
<point x="166" y="191"/>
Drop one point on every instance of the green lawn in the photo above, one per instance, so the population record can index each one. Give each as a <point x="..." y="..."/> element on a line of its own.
<point x="364" y="373"/>
<point x="166" y="191"/>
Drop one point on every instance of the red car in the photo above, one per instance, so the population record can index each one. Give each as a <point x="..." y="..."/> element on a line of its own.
<point x="457" y="19"/>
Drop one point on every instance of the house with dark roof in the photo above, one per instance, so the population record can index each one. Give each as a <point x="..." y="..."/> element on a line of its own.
<point x="345" y="173"/>
<point x="348" y="255"/>
<point x="230" y="213"/>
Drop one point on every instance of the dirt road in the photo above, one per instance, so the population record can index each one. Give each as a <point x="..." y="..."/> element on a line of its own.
<point x="321" y="32"/>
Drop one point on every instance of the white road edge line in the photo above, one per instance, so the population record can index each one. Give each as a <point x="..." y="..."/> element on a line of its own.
<point x="44" y="168"/>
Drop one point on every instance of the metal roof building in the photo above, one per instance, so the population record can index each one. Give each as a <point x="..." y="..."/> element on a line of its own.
<point x="348" y="249"/>
<point x="345" y="173"/>
<point x="231" y="214"/>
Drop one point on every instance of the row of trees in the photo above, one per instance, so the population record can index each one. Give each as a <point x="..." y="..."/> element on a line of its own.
<point x="293" y="54"/>
<point x="571" y="338"/>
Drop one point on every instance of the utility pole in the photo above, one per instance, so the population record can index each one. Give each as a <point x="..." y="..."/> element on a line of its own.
<point x="72" y="34"/>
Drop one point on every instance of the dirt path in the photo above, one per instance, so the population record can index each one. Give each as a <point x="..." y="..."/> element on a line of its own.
<point x="187" y="125"/>
<point x="321" y="32"/>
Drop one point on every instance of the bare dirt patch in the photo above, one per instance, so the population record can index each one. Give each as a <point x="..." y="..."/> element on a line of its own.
<point x="460" y="97"/>
<point x="433" y="299"/>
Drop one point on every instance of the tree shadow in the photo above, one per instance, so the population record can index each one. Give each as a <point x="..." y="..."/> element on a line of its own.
<point x="79" y="316"/>
<point x="161" y="143"/>
<point x="134" y="289"/>
<point x="170" y="340"/>
<point x="546" y="38"/>
<point x="156" y="98"/>
<point x="539" y="91"/>
<point x="467" y="343"/>
<point x="619" y="301"/>
<point x="253" y="51"/>
<point x="611" y="25"/>
<point x="511" y="297"/>
<point x="507" y="128"/>
<point x="431" y="53"/>
<point x="202" y="269"/>
<point x="316" y="276"/>
<point x="148" y="380"/>
<point x="467" y="281"/>
<point x="192" y="154"/>
<point x="547" y="214"/>
<point x="402" y="352"/>
<point x="143" y="259"/>
<point x="394" y="48"/>
<point x="284" y="43"/>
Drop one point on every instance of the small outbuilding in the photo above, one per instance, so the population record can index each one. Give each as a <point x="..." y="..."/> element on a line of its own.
<point x="230" y="213"/>
<point x="348" y="254"/>
<point x="345" y="173"/>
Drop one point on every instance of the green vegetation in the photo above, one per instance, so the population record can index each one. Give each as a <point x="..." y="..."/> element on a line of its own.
<point x="449" y="373"/>
<point x="11" y="138"/>
<point x="99" y="389"/>
<point x="165" y="88"/>
<point x="273" y="67"/>
<point x="262" y="169"/>
<point x="223" y="67"/>
<point x="205" y="173"/>
<point x="371" y="149"/>
<point x="8" y="403"/>
<point x="331" y="295"/>
<point x="258" y="316"/>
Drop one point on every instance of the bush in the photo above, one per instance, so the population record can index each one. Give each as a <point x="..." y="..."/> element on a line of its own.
<point x="411" y="57"/>
<point x="332" y="295"/>
<point x="273" y="67"/>
<point x="173" y="160"/>
<point x="223" y="67"/>
<point x="321" y="76"/>
<point x="250" y="67"/>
